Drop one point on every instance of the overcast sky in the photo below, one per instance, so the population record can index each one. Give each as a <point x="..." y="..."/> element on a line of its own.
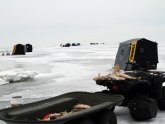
<point x="81" y="20"/>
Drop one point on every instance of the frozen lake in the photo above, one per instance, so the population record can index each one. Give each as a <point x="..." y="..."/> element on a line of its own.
<point x="60" y="70"/>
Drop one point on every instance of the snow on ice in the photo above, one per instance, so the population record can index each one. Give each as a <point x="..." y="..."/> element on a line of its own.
<point x="16" y="75"/>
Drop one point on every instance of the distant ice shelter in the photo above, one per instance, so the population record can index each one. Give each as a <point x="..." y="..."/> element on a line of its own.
<point x="29" y="48"/>
<point x="19" y="49"/>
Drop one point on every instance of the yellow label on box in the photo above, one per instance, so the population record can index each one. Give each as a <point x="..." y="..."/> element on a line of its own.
<point x="132" y="51"/>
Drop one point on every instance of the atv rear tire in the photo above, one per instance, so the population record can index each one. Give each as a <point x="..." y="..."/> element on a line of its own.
<point x="143" y="108"/>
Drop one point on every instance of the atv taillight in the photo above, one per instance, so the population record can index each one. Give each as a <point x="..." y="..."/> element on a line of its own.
<point x="115" y="88"/>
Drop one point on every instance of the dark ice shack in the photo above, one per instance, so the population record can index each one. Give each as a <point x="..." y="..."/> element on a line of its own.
<point x="19" y="49"/>
<point x="137" y="54"/>
<point x="29" y="48"/>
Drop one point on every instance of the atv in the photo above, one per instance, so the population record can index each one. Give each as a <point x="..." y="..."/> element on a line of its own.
<point x="139" y="58"/>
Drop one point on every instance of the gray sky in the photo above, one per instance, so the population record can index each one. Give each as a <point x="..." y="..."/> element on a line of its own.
<point x="81" y="20"/>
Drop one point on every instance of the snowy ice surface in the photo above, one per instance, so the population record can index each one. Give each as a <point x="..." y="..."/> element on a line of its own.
<point x="16" y="75"/>
<point x="60" y="70"/>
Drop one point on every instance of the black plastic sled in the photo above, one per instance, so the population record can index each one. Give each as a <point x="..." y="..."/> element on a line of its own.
<point x="98" y="113"/>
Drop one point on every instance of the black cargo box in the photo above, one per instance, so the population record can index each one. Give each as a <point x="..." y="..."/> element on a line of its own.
<point x="136" y="54"/>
